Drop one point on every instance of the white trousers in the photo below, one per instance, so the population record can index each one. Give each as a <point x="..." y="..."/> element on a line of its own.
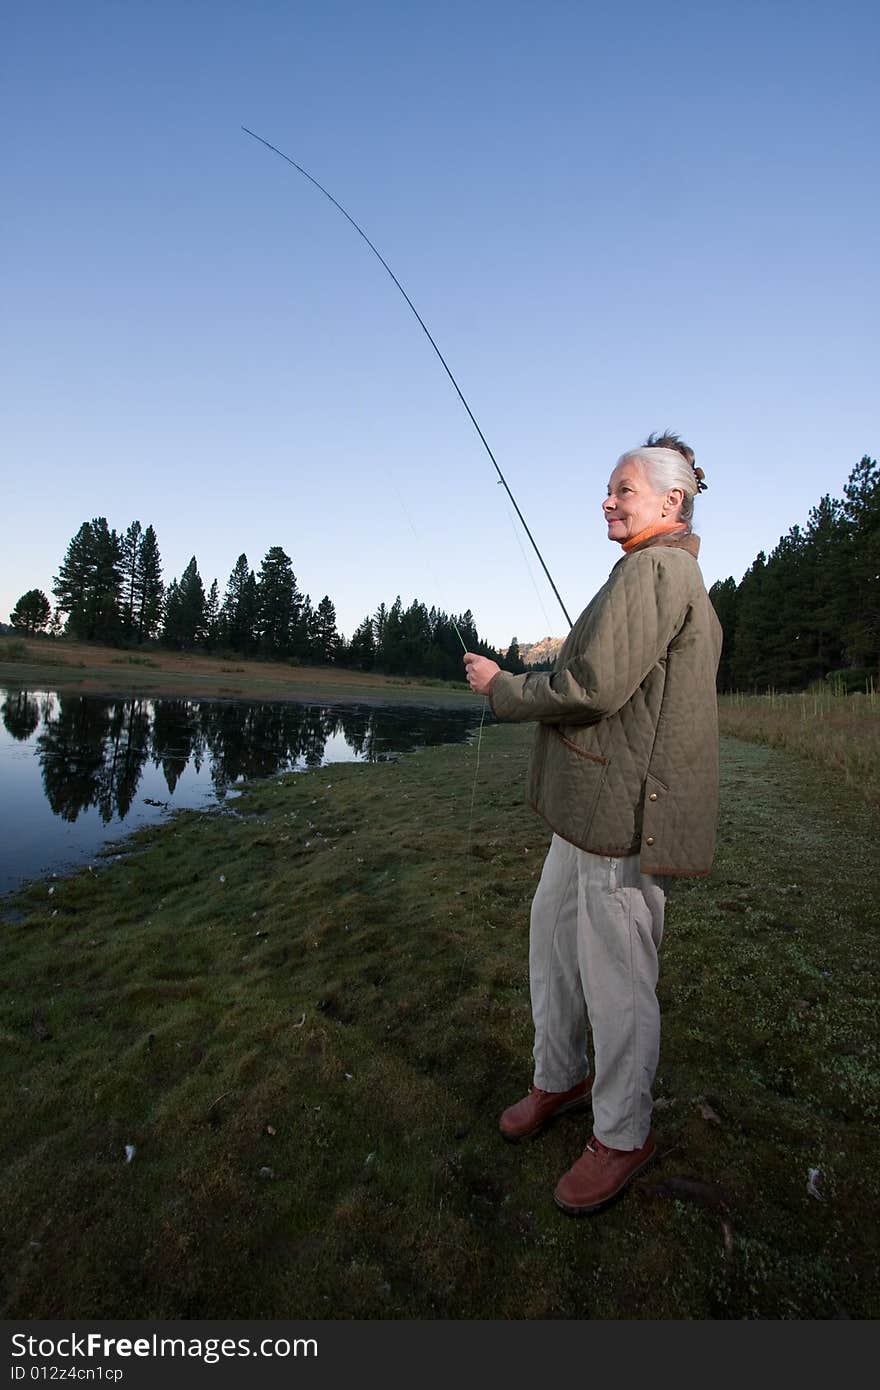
<point x="596" y="927"/>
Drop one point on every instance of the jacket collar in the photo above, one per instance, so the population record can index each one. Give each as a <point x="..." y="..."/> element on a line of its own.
<point x="681" y="541"/>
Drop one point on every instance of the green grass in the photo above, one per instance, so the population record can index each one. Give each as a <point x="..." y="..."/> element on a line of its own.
<point x="347" y="1007"/>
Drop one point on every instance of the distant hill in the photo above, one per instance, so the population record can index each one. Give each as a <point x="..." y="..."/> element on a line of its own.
<point x="531" y="653"/>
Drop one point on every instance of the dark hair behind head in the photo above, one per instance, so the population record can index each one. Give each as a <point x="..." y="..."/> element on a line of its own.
<point x="668" y="440"/>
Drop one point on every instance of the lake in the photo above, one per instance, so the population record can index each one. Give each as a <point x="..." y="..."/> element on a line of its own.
<point x="77" y="771"/>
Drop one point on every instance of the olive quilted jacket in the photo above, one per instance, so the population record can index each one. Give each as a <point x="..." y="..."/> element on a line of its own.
<point x="626" y="752"/>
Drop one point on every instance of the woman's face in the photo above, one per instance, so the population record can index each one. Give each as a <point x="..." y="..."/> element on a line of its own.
<point x="632" y="505"/>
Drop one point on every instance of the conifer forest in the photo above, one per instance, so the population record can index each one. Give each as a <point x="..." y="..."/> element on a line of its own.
<point x="810" y="610"/>
<point x="109" y="588"/>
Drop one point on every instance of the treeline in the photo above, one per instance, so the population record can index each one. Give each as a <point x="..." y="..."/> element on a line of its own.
<point x="109" y="588"/>
<point x="811" y="609"/>
<point x="415" y="641"/>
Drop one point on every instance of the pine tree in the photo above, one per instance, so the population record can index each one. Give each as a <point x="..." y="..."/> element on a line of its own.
<point x="789" y="655"/>
<point x="446" y="654"/>
<point x="513" y="662"/>
<point x="326" y="638"/>
<point x="754" y="627"/>
<point x="32" y="612"/>
<point x="108" y="581"/>
<point x="130" y="555"/>
<point x="185" y="610"/>
<point x="723" y="594"/>
<point x="278" y="602"/>
<point x="379" y="621"/>
<point x="362" y="647"/>
<point x="88" y="582"/>
<point x="73" y="584"/>
<point x="468" y="629"/>
<point x="149" y="589"/>
<point x="823" y="584"/>
<point x="172" y="625"/>
<point x="239" y="611"/>
<point x="391" y="642"/>
<point x="861" y="510"/>
<point x="212" y="617"/>
<point x="192" y="606"/>
<point x="305" y="633"/>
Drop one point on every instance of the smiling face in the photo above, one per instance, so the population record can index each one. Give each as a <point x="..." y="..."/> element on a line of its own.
<point x="632" y="505"/>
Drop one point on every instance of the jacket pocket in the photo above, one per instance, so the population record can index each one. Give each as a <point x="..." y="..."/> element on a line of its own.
<point x="581" y="752"/>
<point x="568" y="784"/>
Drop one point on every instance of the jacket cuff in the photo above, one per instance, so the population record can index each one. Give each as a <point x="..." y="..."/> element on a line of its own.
<point x="505" y="696"/>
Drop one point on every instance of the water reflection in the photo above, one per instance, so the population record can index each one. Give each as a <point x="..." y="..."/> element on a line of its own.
<point x="92" y="754"/>
<point x="106" y="759"/>
<point x="21" y="713"/>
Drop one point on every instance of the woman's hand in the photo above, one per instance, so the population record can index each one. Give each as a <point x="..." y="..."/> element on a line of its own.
<point x="480" y="672"/>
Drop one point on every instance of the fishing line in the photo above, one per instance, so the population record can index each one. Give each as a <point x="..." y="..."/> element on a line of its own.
<point x="530" y="571"/>
<point x="510" y="495"/>
<point x="445" y="1104"/>
<point x="422" y="552"/>
<point x="426" y="331"/>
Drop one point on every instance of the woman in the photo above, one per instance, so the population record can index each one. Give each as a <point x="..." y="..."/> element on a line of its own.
<point x="625" y="772"/>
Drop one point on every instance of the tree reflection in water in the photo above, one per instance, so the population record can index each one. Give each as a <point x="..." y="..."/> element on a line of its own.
<point x="93" y="750"/>
<point x="21" y="713"/>
<point x="177" y="738"/>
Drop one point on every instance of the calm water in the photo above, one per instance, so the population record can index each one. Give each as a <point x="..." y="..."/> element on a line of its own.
<point x="79" y="770"/>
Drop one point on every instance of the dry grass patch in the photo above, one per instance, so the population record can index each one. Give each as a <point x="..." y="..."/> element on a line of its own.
<point x="839" y="732"/>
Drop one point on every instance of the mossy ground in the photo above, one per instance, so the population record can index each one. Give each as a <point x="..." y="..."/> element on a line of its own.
<point x="331" y="985"/>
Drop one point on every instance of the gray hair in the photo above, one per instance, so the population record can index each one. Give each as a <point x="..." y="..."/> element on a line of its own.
<point x="666" y="468"/>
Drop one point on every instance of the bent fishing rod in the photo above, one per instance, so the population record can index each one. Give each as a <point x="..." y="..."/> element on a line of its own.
<point x="360" y="231"/>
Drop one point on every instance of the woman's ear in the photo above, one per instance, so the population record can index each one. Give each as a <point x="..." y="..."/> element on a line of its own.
<point x="674" y="500"/>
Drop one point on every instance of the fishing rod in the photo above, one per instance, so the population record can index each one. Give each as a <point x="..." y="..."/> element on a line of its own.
<point x="360" y="231"/>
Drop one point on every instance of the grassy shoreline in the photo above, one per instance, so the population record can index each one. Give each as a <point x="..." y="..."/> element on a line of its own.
<point x="95" y="670"/>
<point x="305" y="1016"/>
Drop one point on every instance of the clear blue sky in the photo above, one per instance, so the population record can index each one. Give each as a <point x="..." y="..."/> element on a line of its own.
<point x="612" y="218"/>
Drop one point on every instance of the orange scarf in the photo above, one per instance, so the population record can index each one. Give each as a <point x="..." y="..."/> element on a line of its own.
<point x="662" y="528"/>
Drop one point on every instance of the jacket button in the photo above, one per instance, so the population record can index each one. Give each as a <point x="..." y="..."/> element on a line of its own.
<point x="653" y="796"/>
<point x="650" y="840"/>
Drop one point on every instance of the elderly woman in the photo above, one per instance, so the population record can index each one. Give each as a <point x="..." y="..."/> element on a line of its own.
<point x="625" y="772"/>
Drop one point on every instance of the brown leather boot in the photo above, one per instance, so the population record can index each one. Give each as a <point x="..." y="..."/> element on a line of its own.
<point x="599" y="1174"/>
<point x="532" y="1113"/>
